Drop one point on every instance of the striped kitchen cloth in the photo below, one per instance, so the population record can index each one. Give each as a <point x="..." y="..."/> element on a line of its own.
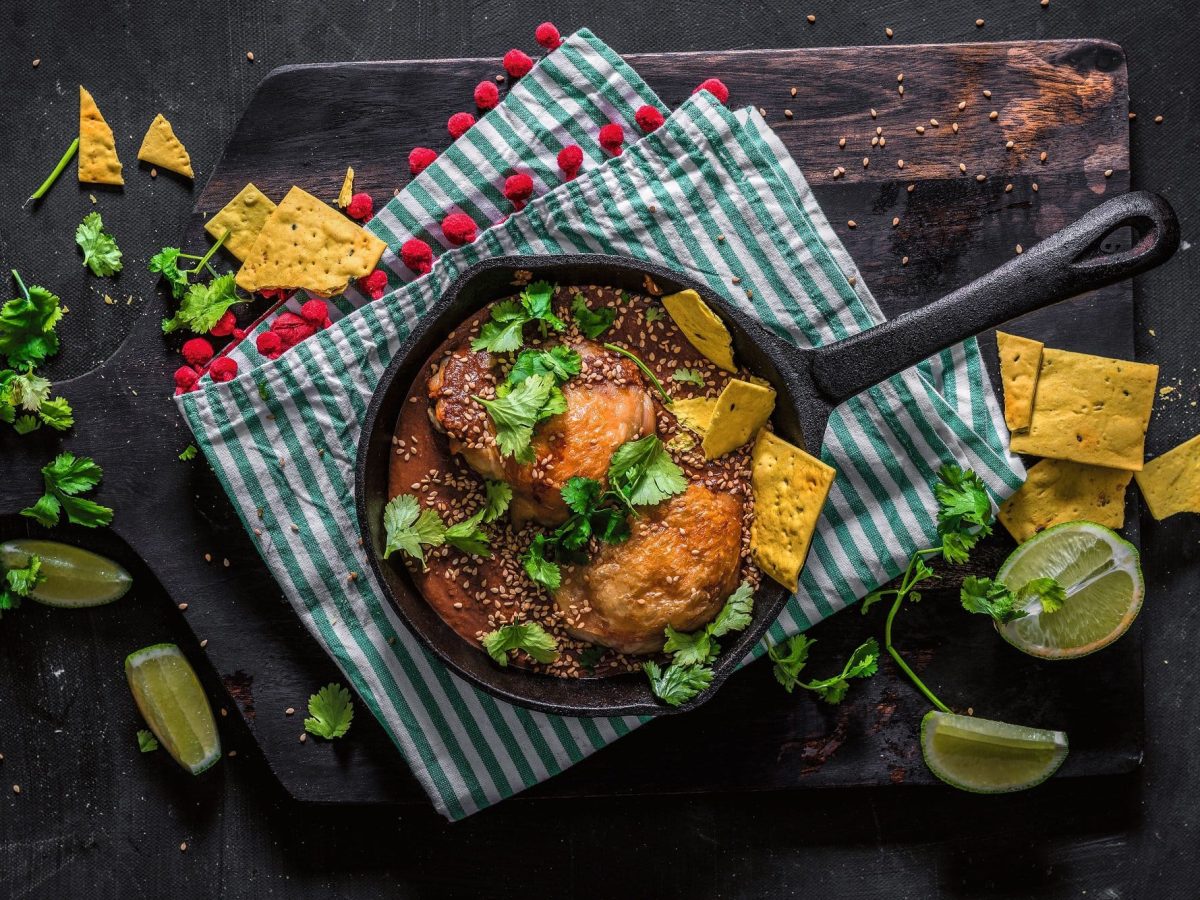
<point x="706" y="172"/>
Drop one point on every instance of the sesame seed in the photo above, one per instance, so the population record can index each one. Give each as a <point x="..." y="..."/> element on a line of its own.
<point x="954" y="127"/>
<point x="904" y="260"/>
<point x="899" y="164"/>
<point x="812" y="20"/>
<point x="851" y="224"/>
<point x="499" y="79"/>
<point x="866" y="161"/>
<point x="793" y="92"/>
<point x="895" y="221"/>
<point x="962" y="167"/>
<point x="900" y="77"/>
<point x="1008" y="145"/>
<point x="290" y="711"/>
<point x="1158" y="120"/>
<point x="1020" y="249"/>
<point x="1043" y="156"/>
<point x="920" y="129"/>
<point x="250" y="56"/>
<point x="1132" y="116"/>
<point x="182" y="607"/>
<point x="183" y="847"/>
<point x="988" y="94"/>
<point x="208" y="557"/>
<point x="934" y="123"/>
<point x="1045" y="3"/>
<point x="981" y="178"/>
<point x="1035" y="187"/>
<point x="900" y="89"/>
<point x="841" y="142"/>
<point x="962" y="104"/>
<point x="303" y="737"/>
<point x="875" y="115"/>
<point x="889" y="32"/>
<point x="911" y="188"/>
<point x="36" y="63"/>
<point x="993" y="115"/>
<point x="1008" y="189"/>
<point x="879" y="130"/>
<point x="1108" y="173"/>
<point x="787" y="113"/>
<point x="979" y="23"/>
<point x="204" y="643"/>
<point x="762" y="112"/>
<point x="875" y="140"/>
<point x="225" y="562"/>
<point x="16" y="789"/>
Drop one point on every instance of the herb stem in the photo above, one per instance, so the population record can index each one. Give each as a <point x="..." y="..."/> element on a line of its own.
<point x="207" y="256"/>
<point x="20" y="284"/>
<point x="53" y="176"/>
<point x="645" y="370"/>
<point x="895" y="654"/>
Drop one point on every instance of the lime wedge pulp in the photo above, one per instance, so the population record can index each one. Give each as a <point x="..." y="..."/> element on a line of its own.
<point x="1103" y="581"/>
<point x="75" y="577"/>
<point x="170" y="699"/>
<point x="989" y="757"/>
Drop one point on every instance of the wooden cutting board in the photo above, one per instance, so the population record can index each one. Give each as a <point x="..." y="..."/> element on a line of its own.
<point x="305" y="124"/>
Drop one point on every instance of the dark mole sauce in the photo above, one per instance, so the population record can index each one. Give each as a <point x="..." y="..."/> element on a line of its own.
<point x="475" y="595"/>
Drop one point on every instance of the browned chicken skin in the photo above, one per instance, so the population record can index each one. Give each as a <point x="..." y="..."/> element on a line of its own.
<point x="679" y="565"/>
<point x="607" y="405"/>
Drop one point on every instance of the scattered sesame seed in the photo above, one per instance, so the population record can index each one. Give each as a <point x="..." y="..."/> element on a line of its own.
<point x="899" y="164"/>
<point x="875" y="114"/>
<point x="851" y="224"/>
<point x="1008" y="189"/>
<point x="1035" y="187"/>
<point x="904" y="260"/>
<point x="793" y="92"/>
<point x="962" y="167"/>
<point x="954" y="127"/>
<point x="911" y="188"/>
<point x="499" y="79"/>
<point x="988" y="94"/>
<point x="290" y="711"/>
<point x="866" y="161"/>
<point x="1020" y="249"/>
<point x="153" y="172"/>
<point x="224" y="713"/>
<point x="1045" y="3"/>
<point x="16" y="789"/>
<point x="762" y="112"/>
<point x="250" y="55"/>
<point x="36" y="63"/>
<point x="231" y="753"/>
<point x="875" y="140"/>
<point x="895" y="221"/>
<point x="208" y="557"/>
<point x="900" y="89"/>
<point x="889" y="32"/>
<point x="979" y="23"/>
<point x="934" y="123"/>
<point x="303" y="737"/>
<point x="812" y="20"/>
<point x="787" y="114"/>
<point x="225" y="562"/>
<point x="900" y="77"/>
<point x="981" y="178"/>
<point x="962" y="104"/>
<point x="841" y="142"/>
<point x="1132" y="116"/>
<point x="1108" y="173"/>
<point x="879" y="130"/>
<point x="1158" y="120"/>
<point x="183" y="847"/>
<point x="920" y="129"/>
<point x="204" y="643"/>
<point x="1043" y="156"/>
<point x="182" y="607"/>
<point x="993" y="115"/>
<point x="1008" y="145"/>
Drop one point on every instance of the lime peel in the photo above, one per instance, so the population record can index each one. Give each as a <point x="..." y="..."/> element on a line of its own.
<point x="984" y="756"/>
<point x="169" y="696"/>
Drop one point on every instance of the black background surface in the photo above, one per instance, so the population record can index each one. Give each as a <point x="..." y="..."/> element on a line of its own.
<point x="96" y="819"/>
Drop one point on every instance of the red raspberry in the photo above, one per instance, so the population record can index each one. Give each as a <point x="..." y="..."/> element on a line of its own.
<point x="316" y="313"/>
<point x="274" y="294"/>
<point x="547" y="35"/>
<point x="459" y="124"/>
<point x="517" y="64"/>
<point x="269" y="344"/>
<point x="185" y="379"/>
<point x="374" y="285"/>
<point x="223" y="368"/>
<point x="361" y="207"/>
<point x="225" y="325"/>
<point x="487" y="95"/>
<point x="714" y="86"/>
<point x="459" y="229"/>
<point x="197" y="352"/>
<point x="518" y="188"/>
<point x="612" y="136"/>
<point x="419" y="159"/>
<point x="648" y="118"/>
<point x="292" y="329"/>
<point x="417" y="255"/>
<point x="570" y="159"/>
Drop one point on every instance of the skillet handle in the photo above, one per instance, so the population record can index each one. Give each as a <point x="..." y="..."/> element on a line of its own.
<point x="1064" y="265"/>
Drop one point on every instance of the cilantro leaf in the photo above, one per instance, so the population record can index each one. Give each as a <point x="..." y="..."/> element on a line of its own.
<point x="189" y="453"/>
<point x="147" y="742"/>
<point x="1046" y="591"/>
<point x="581" y="494"/>
<point x="27" y="326"/>
<point x="499" y="495"/>
<point x="790" y="657"/>
<point x="528" y="636"/>
<point x="330" y="712"/>
<point x="735" y="614"/>
<point x="45" y="511"/>
<point x="538" y="301"/>
<point x="468" y="537"/>
<point x="85" y="512"/>
<point x="642" y="473"/>
<point x="699" y="648"/>
<point x="517" y="412"/>
<point x="65" y="477"/>
<point x="100" y="251"/>
<point x="26" y="424"/>
<point x="964" y="511"/>
<point x="541" y="570"/>
<point x="677" y="684"/>
<point x="19" y="583"/>
<point x="592" y="323"/>
<point x="590" y="657"/>
<point x="688" y="376"/>
<point x="410" y="529"/>
<point x="71" y="474"/>
<point x="995" y="599"/>
<point x="166" y="263"/>
<point x="203" y="305"/>
<point x="655" y="313"/>
<point x="691" y="649"/>
<point x="57" y="413"/>
<point x="503" y="334"/>
<point x="28" y="391"/>
<point x="560" y="361"/>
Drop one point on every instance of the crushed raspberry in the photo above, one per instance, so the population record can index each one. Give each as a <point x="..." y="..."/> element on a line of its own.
<point x="274" y="294"/>
<point x="612" y="136"/>
<point x="269" y="344"/>
<point x="419" y="159"/>
<point x="518" y="188"/>
<point x="361" y="207"/>
<point x="547" y="35"/>
<point x="316" y="313"/>
<point x="487" y="95"/>
<point x="459" y="229"/>
<point x="185" y="379"/>
<point x="225" y="325"/>
<point x="223" y="368"/>
<point x="516" y="63"/>
<point x="197" y="352"/>
<point x="417" y="255"/>
<point x="292" y="329"/>
<point x="714" y="86"/>
<point x="239" y="333"/>
<point x="648" y="118"/>
<point x="460" y="123"/>
<point x="374" y="285"/>
<point x="570" y="159"/>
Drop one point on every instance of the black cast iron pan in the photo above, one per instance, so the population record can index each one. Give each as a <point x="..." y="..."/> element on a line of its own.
<point x="810" y="383"/>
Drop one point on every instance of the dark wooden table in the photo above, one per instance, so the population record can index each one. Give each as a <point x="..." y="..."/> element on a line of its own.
<point x="95" y="818"/>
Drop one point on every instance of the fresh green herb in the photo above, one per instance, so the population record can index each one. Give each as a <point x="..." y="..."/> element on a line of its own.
<point x="696" y="648"/>
<point x="189" y="453"/>
<point x="147" y="742"/>
<point x="993" y="598"/>
<point x="499" y="496"/>
<point x="592" y="323"/>
<point x="58" y="170"/>
<point x="645" y="370"/>
<point x="528" y="636"/>
<point x="19" y="583"/>
<point x="56" y="412"/>
<point x="642" y="473"/>
<point x="204" y="304"/>
<point x="677" y="684"/>
<point x="736" y="613"/>
<point x="468" y="537"/>
<point x="561" y="362"/>
<point x="27" y="324"/>
<point x="504" y="333"/>
<point x="540" y="569"/>
<point x="519" y="410"/>
<point x="31" y="393"/>
<point x="65" y="478"/>
<point x="791" y="656"/>
<point x="688" y="376"/>
<point x="100" y="251"/>
<point x="330" y="712"/>
<point x="654" y="313"/>
<point x="590" y="657"/>
<point x="26" y="425"/>
<point x="166" y="263"/>
<point x="410" y="529"/>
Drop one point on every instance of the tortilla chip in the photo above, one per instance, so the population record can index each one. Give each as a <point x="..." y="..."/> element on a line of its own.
<point x="1020" y="362"/>
<point x="1058" y="491"/>
<point x="1171" y="482"/>
<point x="309" y="245"/>
<point x="696" y="413"/>
<point x="702" y="327"/>
<point x="1090" y="409"/>
<point x="742" y="409"/>
<point x="243" y="217"/>
<point x="790" y="488"/>
<point x="161" y="148"/>
<point x="98" y="161"/>
<point x="347" y="191"/>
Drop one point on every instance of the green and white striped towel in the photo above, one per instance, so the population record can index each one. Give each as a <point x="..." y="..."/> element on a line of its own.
<point x="707" y="172"/>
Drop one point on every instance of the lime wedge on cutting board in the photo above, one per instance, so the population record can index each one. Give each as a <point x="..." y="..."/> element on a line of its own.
<point x="75" y="577"/>
<point x="1103" y="580"/>
<point x="169" y="696"/>
<point x="989" y="757"/>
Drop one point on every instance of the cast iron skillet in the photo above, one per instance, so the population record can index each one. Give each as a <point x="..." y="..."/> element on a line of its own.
<point x="810" y="383"/>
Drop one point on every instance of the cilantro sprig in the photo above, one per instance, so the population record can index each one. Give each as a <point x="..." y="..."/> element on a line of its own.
<point x="330" y="712"/>
<point x="688" y="376"/>
<point x="519" y="410"/>
<point x="505" y="331"/>
<point x="410" y="529"/>
<point x="100" y="251"/>
<point x="592" y="322"/>
<point x="147" y="742"/>
<point x="201" y="305"/>
<point x="529" y="637"/>
<point x="18" y="583"/>
<point x="25" y="403"/>
<point x="791" y="656"/>
<point x="27" y="323"/>
<point x="65" y="478"/>
<point x="996" y="599"/>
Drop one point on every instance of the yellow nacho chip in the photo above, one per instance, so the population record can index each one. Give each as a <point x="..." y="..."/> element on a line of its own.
<point x="1171" y="482"/>
<point x="308" y="244"/>
<point x="741" y="410"/>
<point x="1020" y="362"/>
<point x="98" y="161"/>
<point x="696" y="413"/>
<point x="243" y="217"/>
<point x="1058" y="490"/>
<point x="347" y="191"/>
<point x="160" y="147"/>
<point x="1090" y="409"/>
<point x="790" y="488"/>
<point x="702" y="327"/>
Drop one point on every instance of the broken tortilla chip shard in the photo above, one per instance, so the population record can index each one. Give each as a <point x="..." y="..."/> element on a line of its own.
<point x="1171" y="482"/>
<point x="243" y="217"/>
<point x="741" y="411"/>
<point x="309" y="245"/>
<point x="1058" y="490"/>
<point x="160" y="147"/>
<point x="98" y="161"/>
<point x="790" y="488"/>
<point x="702" y="327"/>
<point x="1090" y="409"/>
<point x="1020" y="362"/>
<point x="347" y="192"/>
<point x="695" y="414"/>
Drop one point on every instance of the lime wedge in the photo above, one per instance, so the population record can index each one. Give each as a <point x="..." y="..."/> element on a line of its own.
<point x="75" y="577"/>
<point x="169" y="696"/>
<point x="988" y="757"/>
<point x="1103" y="580"/>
